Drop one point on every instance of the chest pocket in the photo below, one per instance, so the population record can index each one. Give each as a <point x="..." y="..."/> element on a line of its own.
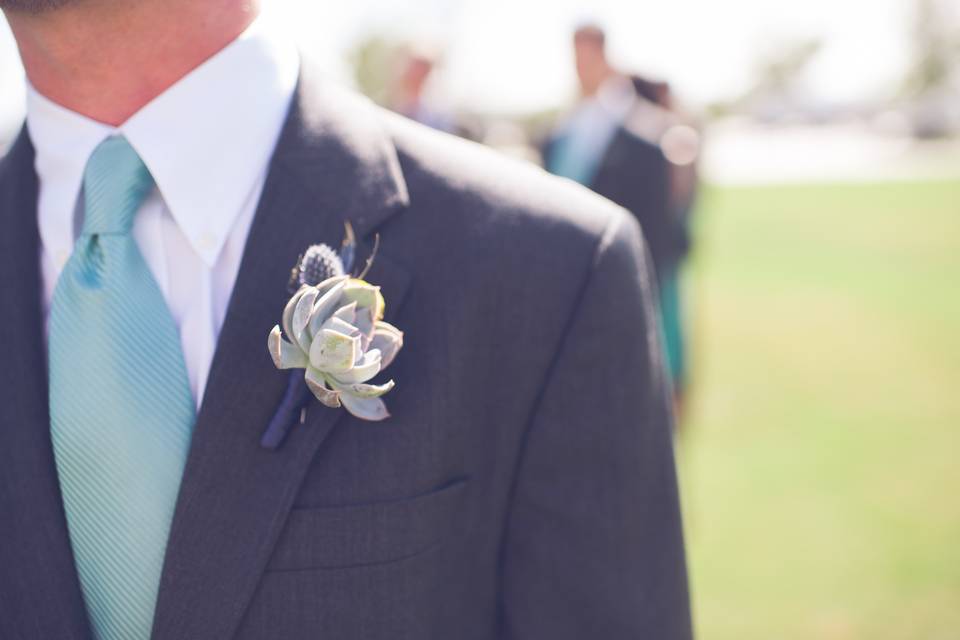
<point x="368" y="534"/>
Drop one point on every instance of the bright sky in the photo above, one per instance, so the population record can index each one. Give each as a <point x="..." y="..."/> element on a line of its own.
<point x="508" y="55"/>
<point x="514" y="55"/>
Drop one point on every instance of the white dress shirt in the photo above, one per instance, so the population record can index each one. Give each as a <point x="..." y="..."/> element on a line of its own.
<point x="207" y="141"/>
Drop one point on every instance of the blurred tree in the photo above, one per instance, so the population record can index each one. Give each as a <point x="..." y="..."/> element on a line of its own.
<point x="936" y="47"/>
<point x="779" y="73"/>
<point x="373" y="61"/>
<point x="932" y="83"/>
<point x="778" y="92"/>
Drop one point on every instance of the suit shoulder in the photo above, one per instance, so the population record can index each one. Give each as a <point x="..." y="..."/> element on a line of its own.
<point x="467" y="186"/>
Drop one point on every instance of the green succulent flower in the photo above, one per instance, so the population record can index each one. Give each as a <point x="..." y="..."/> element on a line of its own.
<point x="336" y="333"/>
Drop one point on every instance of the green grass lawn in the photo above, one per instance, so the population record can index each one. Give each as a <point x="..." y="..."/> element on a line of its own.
<point x="820" y="454"/>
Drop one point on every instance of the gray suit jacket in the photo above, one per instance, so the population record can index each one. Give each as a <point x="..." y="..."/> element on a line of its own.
<point x="524" y="487"/>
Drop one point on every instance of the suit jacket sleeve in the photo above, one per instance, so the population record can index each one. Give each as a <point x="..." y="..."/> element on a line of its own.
<point x="593" y="547"/>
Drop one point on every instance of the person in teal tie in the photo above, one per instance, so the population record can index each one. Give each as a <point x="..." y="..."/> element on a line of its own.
<point x="121" y="411"/>
<point x="624" y="140"/>
<point x="177" y="160"/>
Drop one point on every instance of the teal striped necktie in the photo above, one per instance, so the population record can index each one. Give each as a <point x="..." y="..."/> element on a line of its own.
<point x="121" y="410"/>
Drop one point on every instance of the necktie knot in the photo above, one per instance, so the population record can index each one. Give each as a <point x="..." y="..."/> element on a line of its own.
<point x="115" y="182"/>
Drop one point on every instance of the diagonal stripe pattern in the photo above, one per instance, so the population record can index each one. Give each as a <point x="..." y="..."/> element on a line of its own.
<point x="121" y="410"/>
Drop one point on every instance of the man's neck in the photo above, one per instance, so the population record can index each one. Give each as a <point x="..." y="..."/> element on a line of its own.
<point x="105" y="59"/>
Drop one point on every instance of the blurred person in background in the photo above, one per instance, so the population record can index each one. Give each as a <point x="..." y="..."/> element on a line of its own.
<point x="178" y="157"/>
<point x="408" y="96"/>
<point x="625" y="140"/>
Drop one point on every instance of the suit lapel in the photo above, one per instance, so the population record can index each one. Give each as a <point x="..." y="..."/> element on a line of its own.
<point x="332" y="163"/>
<point x="39" y="590"/>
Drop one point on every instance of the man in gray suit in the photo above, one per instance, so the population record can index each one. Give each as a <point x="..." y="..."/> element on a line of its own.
<point x="177" y="159"/>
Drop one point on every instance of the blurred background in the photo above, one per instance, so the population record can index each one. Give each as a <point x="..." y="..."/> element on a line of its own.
<point x="804" y="158"/>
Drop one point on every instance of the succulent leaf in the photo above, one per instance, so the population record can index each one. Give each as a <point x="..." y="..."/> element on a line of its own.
<point x="381" y="307"/>
<point x="360" y="389"/>
<point x="318" y="386"/>
<point x="285" y="355"/>
<point x="330" y="283"/>
<point x="368" y="367"/>
<point x="336" y="324"/>
<point x="287" y="321"/>
<point x="372" y="409"/>
<point x="347" y="312"/>
<point x="388" y="340"/>
<point x="301" y="317"/>
<point x="365" y="323"/>
<point x="365" y="294"/>
<point x="326" y="303"/>
<point x="334" y="351"/>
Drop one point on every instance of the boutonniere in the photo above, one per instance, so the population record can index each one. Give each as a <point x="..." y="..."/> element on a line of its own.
<point x="333" y="336"/>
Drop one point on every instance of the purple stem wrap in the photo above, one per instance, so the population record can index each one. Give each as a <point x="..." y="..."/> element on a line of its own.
<point x="295" y="398"/>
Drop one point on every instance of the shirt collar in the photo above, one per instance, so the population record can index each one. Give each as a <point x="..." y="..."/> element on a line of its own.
<point x="207" y="139"/>
<point x="63" y="141"/>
